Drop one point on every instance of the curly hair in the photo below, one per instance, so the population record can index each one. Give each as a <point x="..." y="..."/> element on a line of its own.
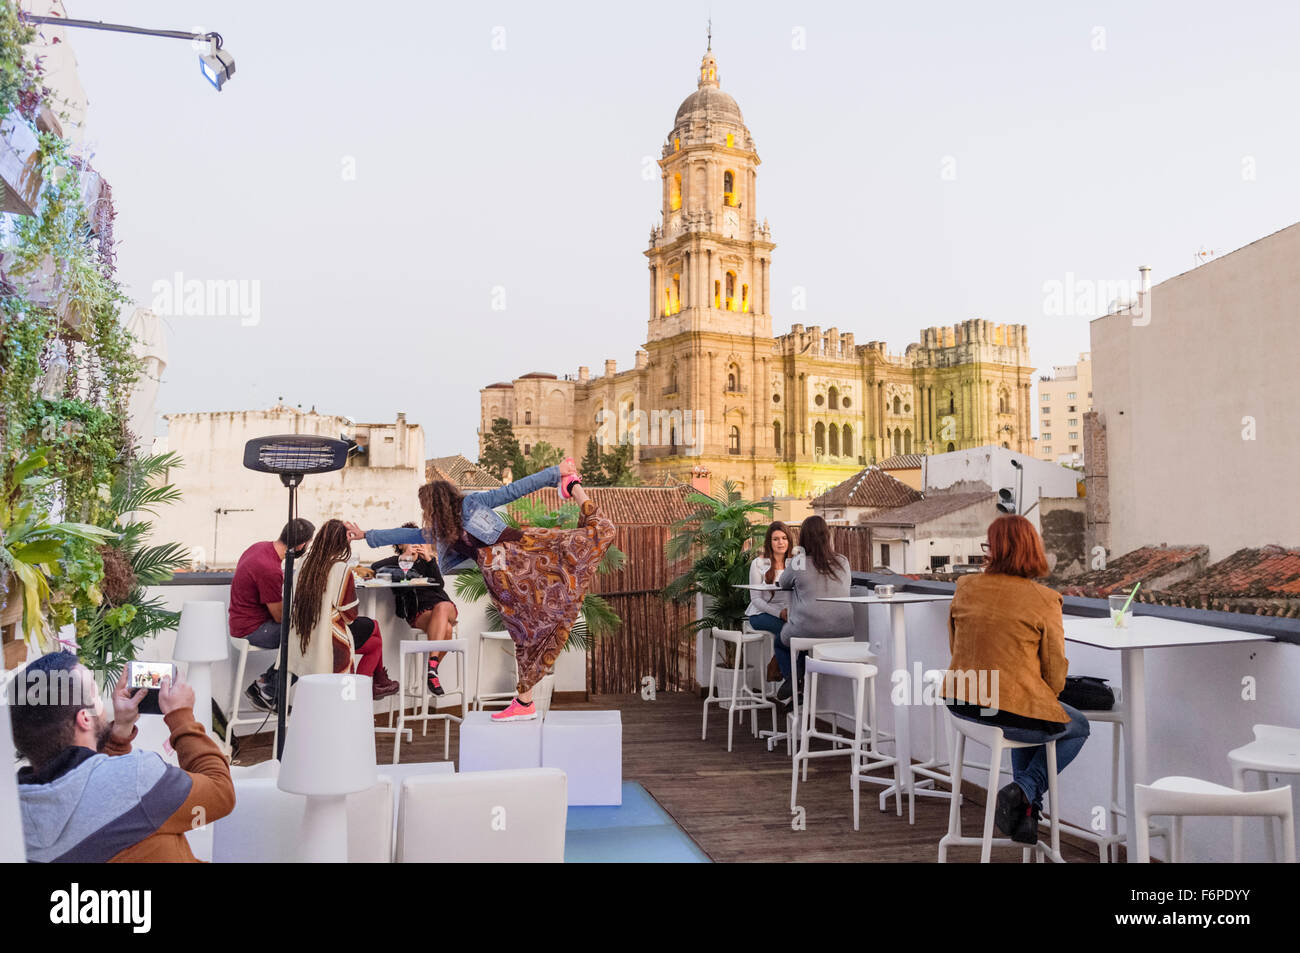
<point x="330" y="546"/>
<point x="441" y="503"/>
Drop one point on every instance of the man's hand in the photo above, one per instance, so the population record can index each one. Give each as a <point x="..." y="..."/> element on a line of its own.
<point x="126" y="708"/>
<point x="175" y="695"/>
<point x="354" y="531"/>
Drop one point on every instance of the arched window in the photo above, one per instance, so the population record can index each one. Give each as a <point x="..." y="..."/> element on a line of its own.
<point x="729" y="188"/>
<point x="833" y="399"/>
<point x="835" y="441"/>
<point x="677" y="145"/>
<point x="819" y="437"/>
<point x="731" y="291"/>
<point x="528" y="416"/>
<point x="898" y="405"/>
<point x="733" y="379"/>
<point x="846" y="440"/>
<point x="672" y="379"/>
<point x="907" y="441"/>
<point x="733" y="441"/>
<point x="952" y="447"/>
<point x="677" y="294"/>
<point x="947" y="403"/>
<point x="1004" y="402"/>
<point x="717" y="294"/>
<point x="672" y="436"/>
<point x="776" y="436"/>
<point x="528" y="449"/>
<point x="744" y="298"/>
<point x="675" y="197"/>
<point x="898" y="442"/>
<point x="1005" y="445"/>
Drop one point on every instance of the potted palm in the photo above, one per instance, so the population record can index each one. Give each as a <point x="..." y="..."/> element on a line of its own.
<point x="719" y="537"/>
<point x="597" y="619"/>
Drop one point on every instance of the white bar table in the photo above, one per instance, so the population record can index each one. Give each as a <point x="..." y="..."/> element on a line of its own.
<point x="902" y="726"/>
<point x="1144" y="632"/>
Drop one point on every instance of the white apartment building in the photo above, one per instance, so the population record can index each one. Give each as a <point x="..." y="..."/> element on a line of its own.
<point x="1064" y="397"/>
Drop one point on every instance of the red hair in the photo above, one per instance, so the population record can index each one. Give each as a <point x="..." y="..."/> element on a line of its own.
<point x="1015" y="548"/>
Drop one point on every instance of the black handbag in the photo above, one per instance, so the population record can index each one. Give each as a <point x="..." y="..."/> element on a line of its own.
<point x="1087" y="693"/>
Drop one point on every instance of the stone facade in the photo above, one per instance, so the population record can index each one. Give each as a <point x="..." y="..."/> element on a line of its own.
<point x="785" y="415"/>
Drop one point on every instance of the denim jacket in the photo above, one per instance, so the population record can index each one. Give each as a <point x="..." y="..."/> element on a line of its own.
<point x="478" y="516"/>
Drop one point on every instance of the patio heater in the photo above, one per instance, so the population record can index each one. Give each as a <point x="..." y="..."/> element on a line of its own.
<point x="292" y="457"/>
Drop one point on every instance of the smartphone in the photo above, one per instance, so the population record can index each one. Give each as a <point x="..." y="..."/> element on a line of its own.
<point x="149" y="676"/>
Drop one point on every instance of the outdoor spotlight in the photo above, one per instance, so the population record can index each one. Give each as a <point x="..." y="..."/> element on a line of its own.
<point x="1006" y="500"/>
<point x="217" y="65"/>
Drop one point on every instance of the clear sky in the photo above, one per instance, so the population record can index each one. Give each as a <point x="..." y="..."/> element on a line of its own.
<point x="923" y="163"/>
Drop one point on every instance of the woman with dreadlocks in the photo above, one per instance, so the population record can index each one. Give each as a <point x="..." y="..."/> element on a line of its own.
<point x="537" y="576"/>
<point x="324" y="628"/>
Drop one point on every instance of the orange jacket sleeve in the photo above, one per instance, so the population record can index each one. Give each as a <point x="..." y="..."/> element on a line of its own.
<point x="212" y="795"/>
<point x="1051" y="650"/>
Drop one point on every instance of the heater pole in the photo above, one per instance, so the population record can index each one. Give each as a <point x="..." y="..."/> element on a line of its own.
<point x="290" y="480"/>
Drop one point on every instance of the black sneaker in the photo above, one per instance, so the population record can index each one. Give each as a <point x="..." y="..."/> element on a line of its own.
<point x="1027" y="832"/>
<point x="784" y="691"/>
<point x="259" y="697"/>
<point x="1011" y="811"/>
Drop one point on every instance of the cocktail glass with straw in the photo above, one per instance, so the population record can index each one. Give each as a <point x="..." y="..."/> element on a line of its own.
<point x="1119" y="607"/>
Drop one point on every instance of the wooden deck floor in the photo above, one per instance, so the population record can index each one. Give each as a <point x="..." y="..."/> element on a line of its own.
<point x="736" y="805"/>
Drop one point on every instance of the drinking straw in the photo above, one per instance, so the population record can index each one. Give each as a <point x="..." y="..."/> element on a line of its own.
<point x="1130" y="598"/>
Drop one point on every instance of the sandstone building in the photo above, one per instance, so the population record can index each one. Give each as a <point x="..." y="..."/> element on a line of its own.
<point x="782" y="415"/>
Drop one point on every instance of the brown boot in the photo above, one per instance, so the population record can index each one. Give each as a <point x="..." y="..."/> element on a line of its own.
<point x="383" y="686"/>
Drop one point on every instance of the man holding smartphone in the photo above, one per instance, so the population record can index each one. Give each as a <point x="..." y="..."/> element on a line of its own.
<point x="86" y="797"/>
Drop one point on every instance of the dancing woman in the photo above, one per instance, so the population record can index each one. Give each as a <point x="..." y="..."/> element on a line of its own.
<point x="537" y="576"/>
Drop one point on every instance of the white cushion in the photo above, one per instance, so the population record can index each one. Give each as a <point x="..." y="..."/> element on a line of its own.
<point x="485" y="816"/>
<point x="588" y="747"/>
<point x="265" y="824"/>
<point x="486" y="745"/>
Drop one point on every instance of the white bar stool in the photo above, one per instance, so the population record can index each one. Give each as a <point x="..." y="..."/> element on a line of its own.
<point x="419" y="650"/>
<point x="1191" y="797"/>
<point x="1275" y="750"/>
<point x="742" y="697"/>
<point x="503" y="641"/>
<point x="844" y="661"/>
<point x="937" y="767"/>
<point x="798" y="646"/>
<point x="992" y="738"/>
<point x="242" y="648"/>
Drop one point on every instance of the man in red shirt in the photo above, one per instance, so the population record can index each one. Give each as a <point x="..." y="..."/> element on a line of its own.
<point x="256" y="599"/>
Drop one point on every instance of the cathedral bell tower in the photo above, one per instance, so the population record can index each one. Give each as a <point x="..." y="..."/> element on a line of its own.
<point x="710" y="257"/>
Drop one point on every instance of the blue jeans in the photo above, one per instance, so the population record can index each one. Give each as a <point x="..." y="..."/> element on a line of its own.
<point x="774" y="624"/>
<point x="1029" y="765"/>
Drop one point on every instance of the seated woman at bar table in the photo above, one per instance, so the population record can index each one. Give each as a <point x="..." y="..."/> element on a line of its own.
<point x="765" y="608"/>
<point x="817" y="573"/>
<point x="427" y="608"/>
<point x="1001" y="623"/>
<point x="324" y="627"/>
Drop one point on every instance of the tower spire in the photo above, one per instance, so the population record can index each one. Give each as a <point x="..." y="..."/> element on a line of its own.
<point x="709" y="48"/>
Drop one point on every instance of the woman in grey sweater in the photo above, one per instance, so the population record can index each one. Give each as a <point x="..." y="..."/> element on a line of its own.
<point x="815" y="574"/>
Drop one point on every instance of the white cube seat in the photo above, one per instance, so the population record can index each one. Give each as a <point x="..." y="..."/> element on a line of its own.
<point x="588" y="747"/>
<point x="486" y="745"/>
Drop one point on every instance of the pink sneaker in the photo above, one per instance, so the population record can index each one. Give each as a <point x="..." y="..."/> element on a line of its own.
<point x="517" y="711"/>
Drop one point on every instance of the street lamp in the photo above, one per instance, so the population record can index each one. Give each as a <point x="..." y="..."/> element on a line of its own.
<point x="217" y="65"/>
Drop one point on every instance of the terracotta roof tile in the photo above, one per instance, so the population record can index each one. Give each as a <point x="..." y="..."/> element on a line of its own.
<point x="928" y="508"/>
<point x="901" y="461"/>
<point x="1268" y="572"/>
<point x="463" y="472"/>
<point x="1154" y="566"/>
<point x="656" y="505"/>
<point x="870" y="487"/>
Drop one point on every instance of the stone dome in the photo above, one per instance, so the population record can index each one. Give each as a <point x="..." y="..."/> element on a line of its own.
<point x="709" y="101"/>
